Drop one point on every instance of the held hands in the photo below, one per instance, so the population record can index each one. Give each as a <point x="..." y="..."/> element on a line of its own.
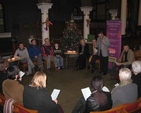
<point x="35" y="57"/>
<point x="56" y="101"/>
<point x="119" y="64"/>
<point x="103" y="41"/>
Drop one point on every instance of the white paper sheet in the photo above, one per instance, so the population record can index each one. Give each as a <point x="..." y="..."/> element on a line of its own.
<point x="105" y="89"/>
<point x="21" y="74"/>
<point x="86" y="92"/>
<point x="55" y="94"/>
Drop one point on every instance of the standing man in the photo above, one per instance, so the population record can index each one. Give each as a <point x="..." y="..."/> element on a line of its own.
<point x="103" y="44"/>
<point x="47" y="53"/>
<point x="35" y="54"/>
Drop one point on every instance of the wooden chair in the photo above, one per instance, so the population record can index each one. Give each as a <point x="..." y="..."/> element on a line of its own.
<point x="97" y="62"/>
<point x="25" y="65"/>
<point x="117" y="109"/>
<point x="134" y="107"/>
<point x="2" y="99"/>
<point x="18" y="108"/>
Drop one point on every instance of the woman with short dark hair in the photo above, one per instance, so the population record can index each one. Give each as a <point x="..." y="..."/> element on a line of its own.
<point x="11" y="86"/>
<point x="98" y="101"/>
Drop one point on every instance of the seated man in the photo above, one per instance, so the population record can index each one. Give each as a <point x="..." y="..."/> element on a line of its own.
<point x="126" y="92"/>
<point x="23" y="54"/>
<point x="94" y="56"/>
<point x="83" y="54"/>
<point x="35" y="54"/>
<point x="125" y="60"/>
<point x="11" y="86"/>
<point x="47" y="53"/>
<point x="57" y="54"/>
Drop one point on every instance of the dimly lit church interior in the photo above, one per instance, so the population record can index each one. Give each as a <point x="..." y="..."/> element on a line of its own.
<point x="70" y="56"/>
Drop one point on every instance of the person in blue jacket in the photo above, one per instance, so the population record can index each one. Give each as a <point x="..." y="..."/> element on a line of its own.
<point x="35" y="53"/>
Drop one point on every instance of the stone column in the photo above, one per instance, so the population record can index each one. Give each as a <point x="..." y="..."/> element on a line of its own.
<point x="44" y="15"/>
<point x="123" y="15"/>
<point x="113" y="13"/>
<point x="139" y="14"/>
<point x="86" y="28"/>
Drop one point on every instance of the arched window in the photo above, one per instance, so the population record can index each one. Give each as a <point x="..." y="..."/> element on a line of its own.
<point x="1" y="19"/>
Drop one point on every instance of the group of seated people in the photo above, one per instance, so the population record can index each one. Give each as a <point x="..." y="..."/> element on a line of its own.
<point x="35" y="96"/>
<point x="36" y="54"/>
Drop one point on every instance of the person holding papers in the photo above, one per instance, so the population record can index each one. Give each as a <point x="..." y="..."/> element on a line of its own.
<point x="36" y="97"/>
<point x="126" y="92"/>
<point x="11" y="86"/>
<point x="125" y="60"/>
<point x="57" y="54"/>
<point x="99" y="100"/>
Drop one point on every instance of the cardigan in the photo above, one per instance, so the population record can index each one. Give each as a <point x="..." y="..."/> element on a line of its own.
<point x="124" y="94"/>
<point x="13" y="89"/>
<point x="39" y="99"/>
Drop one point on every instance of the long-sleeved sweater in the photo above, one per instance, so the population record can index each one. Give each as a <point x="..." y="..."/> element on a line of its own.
<point x="21" y="53"/>
<point x="34" y="50"/>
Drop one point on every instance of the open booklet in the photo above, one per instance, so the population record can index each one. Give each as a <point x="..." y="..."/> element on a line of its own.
<point x="55" y="94"/>
<point x="87" y="92"/>
<point x="22" y="74"/>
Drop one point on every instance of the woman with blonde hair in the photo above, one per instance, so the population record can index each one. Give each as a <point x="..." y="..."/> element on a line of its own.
<point x="36" y="97"/>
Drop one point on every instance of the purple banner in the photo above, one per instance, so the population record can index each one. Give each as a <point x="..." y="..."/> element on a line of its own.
<point x="113" y="32"/>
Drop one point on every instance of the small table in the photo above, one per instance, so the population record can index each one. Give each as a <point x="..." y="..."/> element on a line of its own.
<point x="13" y="60"/>
<point x="67" y="55"/>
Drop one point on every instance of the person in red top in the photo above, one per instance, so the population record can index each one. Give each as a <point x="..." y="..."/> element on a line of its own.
<point x="47" y="53"/>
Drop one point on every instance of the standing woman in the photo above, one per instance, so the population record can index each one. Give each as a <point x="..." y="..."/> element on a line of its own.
<point x="103" y="44"/>
<point x="36" y="97"/>
<point x="83" y="54"/>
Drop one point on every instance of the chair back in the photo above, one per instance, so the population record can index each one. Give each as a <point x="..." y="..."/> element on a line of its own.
<point x="2" y="99"/>
<point x="134" y="107"/>
<point x="18" y="108"/>
<point x="117" y="109"/>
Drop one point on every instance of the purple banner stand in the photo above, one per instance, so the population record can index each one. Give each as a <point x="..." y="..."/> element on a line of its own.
<point x="113" y="32"/>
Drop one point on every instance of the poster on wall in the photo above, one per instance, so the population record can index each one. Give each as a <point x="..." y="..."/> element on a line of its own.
<point x="113" y="32"/>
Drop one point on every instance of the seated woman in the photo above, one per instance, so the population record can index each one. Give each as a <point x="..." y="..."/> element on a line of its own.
<point x="35" y="96"/>
<point x="98" y="101"/>
<point x="11" y="86"/>
<point x="136" y="67"/>
<point x="126" y="92"/>
<point x="94" y="56"/>
<point x="83" y="54"/>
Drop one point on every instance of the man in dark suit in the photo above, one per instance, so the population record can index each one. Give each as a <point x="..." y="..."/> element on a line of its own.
<point x="103" y="44"/>
<point x="83" y="54"/>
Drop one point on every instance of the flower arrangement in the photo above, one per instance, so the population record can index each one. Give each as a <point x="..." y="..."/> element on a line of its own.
<point x="88" y="21"/>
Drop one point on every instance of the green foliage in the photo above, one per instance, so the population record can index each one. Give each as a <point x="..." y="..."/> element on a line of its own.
<point x="71" y="37"/>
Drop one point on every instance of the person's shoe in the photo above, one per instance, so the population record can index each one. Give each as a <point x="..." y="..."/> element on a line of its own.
<point x="100" y="71"/>
<point x="61" y="67"/>
<point x="48" y="71"/>
<point x="88" y="67"/>
<point x="58" y="67"/>
<point x="92" y="70"/>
